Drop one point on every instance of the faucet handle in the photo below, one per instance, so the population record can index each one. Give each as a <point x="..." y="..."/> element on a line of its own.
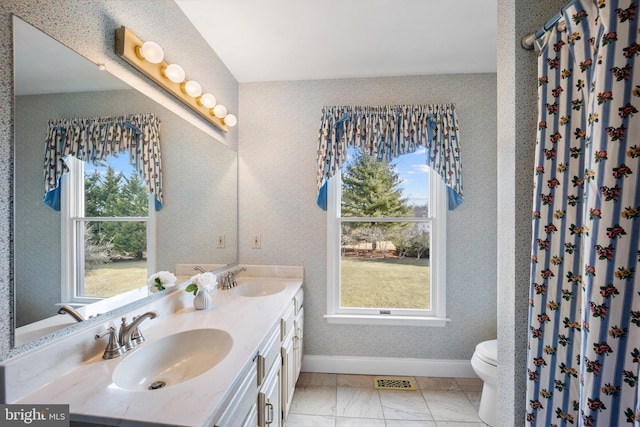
<point x="136" y="335"/>
<point x="113" y="349"/>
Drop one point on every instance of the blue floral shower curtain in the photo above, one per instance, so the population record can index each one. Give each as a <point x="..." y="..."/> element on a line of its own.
<point x="584" y="315"/>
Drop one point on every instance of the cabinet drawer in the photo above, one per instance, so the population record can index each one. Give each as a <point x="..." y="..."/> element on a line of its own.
<point x="299" y="300"/>
<point x="286" y="322"/>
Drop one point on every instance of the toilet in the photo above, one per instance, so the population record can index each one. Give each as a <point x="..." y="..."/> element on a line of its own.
<point x="484" y="363"/>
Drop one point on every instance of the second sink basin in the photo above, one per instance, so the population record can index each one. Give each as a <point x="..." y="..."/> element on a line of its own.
<point x="173" y="359"/>
<point x="258" y="288"/>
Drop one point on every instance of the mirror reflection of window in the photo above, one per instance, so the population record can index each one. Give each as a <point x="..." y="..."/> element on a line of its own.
<point x="108" y="211"/>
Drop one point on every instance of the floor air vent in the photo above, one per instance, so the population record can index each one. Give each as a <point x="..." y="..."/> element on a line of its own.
<point x="394" y="383"/>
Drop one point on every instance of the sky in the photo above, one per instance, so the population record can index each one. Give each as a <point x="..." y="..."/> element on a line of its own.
<point x="119" y="164"/>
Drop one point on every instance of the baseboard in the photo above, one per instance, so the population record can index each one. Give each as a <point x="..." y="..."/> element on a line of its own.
<point x="388" y="366"/>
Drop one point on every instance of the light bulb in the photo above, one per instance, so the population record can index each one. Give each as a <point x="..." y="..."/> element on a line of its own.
<point x="152" y="52"/>
<point x="175" y="73"/>
<point x="193" y="88"/>
<point x="220" y="111"/>
<point x="207" y="100"/>
<point x="230" y="120"/>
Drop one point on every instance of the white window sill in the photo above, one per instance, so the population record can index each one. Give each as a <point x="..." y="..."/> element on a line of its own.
<point x="359" y="319"/>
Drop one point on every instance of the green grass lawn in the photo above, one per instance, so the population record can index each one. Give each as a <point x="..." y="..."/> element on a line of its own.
<point x="385" y="283"/>
<point x="366" y="282"/>
<point x="115" y="278"/>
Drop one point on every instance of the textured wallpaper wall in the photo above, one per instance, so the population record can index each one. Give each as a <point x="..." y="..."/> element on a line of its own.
<point x="277" y="156"/>
<point x="88" y="27"/>
<point x="199" y="186"/>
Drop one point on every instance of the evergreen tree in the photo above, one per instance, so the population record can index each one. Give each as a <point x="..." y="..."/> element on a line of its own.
<point x="113" y="194"/>
<point x="372" y="189"/>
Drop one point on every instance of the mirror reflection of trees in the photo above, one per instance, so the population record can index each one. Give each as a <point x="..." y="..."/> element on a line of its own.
<point x="113" y="194"/>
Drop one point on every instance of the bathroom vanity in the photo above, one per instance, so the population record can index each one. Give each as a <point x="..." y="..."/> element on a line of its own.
<point x="244" y="357"/>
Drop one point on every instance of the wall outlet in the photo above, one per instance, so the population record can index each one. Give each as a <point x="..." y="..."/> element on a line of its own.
<point x="221" y="240"/>
<point x="256" y="242"/>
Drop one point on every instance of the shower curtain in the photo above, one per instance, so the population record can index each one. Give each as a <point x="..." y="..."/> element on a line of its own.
<point x="584" y="307"/>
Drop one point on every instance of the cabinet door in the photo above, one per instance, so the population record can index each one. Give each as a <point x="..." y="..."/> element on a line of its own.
<point x="288" y="372"/>
<point x="269" y="409"/>
<point x="298" y="343"/>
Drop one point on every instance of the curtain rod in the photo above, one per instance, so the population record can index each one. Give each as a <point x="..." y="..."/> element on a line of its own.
<point x="527" y="41"/>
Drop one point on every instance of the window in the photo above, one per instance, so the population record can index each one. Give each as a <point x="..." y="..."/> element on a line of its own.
<point x="386" y="242"/>
<point x="106" y="230"/>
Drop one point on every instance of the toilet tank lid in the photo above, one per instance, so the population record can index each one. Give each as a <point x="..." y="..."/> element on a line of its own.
<point x="488" y="351"/>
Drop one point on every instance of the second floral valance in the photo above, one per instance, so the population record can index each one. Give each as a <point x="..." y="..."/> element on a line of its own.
<point x="387" y="132"/>
<point x="94" y="139"/>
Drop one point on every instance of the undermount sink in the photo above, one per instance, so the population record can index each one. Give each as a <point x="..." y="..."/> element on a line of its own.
<point x="259" y="288"/>
<point x="172" y="360"/>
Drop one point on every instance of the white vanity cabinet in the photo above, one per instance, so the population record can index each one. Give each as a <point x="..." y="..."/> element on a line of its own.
<point x="243" y="407"/>
<point x="264" y="390"/>
<point x="242" y="389"/>
<point x="291" y="329"/>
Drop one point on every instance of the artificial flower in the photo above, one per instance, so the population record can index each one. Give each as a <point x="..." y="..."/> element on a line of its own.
<point x="161" y="280"/>
<point x="203" y="282"/>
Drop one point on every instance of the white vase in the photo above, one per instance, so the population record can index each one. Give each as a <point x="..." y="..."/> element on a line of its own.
<point x="202" y="301"/>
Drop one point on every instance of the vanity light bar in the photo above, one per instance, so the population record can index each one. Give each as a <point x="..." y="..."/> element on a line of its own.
<point x="129" y="47"/>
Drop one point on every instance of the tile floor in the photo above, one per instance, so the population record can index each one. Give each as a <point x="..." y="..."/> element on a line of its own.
<point x="335" y="400"/>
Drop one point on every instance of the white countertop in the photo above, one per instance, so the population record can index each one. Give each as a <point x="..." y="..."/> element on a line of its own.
<point x="93" y="397"/>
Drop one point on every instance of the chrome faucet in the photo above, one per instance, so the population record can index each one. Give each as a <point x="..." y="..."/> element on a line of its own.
<point x="71" y="312"/>
<point x="198" y="268"/>
<point x="113" y="349"/>
<point x="129" y="335"/>
<point x="229" y="279"/>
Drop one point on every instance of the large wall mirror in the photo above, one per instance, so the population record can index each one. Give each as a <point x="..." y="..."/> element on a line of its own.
<point x="197" y="223"/>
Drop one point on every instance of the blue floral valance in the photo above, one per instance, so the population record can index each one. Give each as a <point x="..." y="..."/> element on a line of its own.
<point x="96" y="138"/>
<point x="387" y="132"/>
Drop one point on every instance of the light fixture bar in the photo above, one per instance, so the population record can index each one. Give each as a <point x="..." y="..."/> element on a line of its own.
<point x="126" y="45"/>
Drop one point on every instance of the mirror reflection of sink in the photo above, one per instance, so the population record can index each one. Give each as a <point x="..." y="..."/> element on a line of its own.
<point x="258" y="288"/>
<point x="29" y="333"/>
<point x="172" y="360"/>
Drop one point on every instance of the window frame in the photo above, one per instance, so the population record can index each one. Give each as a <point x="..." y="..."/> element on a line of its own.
<point x="72" y="233"/>
<point x="436" y="316"/>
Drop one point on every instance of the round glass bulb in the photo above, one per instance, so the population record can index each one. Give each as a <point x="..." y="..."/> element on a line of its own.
<point x="152" y="52"/>
<point x="193" y="88"/>
<point x="208" y="101"/>
<point x="175" y="73"/>
<point x="220" y="111"/>
<point x="230" y="120"/>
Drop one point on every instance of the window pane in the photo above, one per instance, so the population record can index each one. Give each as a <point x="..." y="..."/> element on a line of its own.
<point x="114" y="189"/>
<point x="376" y="189"/>
<point x="115" y="257"/>
<point x="385" y="265"/>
